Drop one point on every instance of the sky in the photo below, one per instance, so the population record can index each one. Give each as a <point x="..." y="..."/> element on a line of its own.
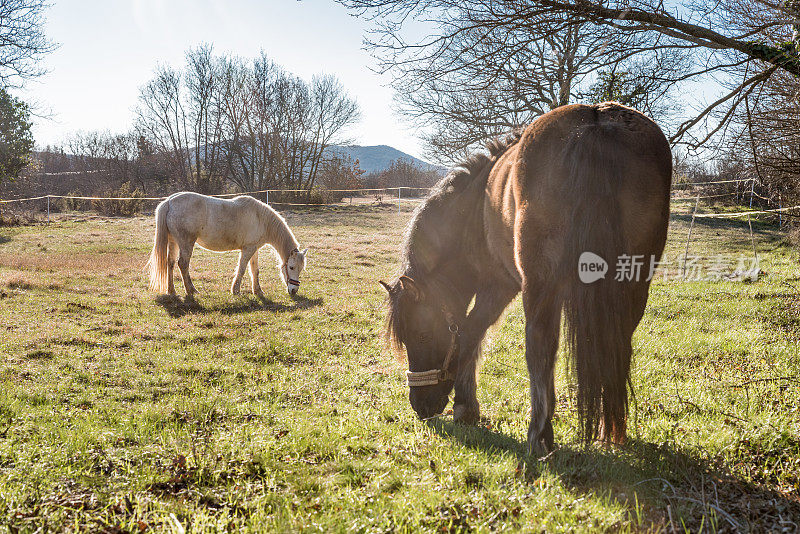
<point x="108" y="49"/>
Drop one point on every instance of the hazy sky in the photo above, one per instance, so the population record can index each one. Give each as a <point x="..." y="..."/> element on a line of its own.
<point x="109" y="48"/>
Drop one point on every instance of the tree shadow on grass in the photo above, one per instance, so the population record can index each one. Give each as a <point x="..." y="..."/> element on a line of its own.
<point x="178" y="307"/>
<point x="677" y="489"/>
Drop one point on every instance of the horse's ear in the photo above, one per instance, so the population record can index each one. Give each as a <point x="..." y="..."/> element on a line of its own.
<point x="304" y="252"/>
<point x="386" y="286"/>
<point x="410" y="287"/>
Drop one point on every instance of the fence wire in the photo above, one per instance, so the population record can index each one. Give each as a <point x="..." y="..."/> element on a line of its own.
<point x="397" y="190"/>
<point x="396" y="195"/>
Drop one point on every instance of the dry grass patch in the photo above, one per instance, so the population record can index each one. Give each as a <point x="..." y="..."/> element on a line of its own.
<point x="74" y="263"/>
<point x="16" y="282"/>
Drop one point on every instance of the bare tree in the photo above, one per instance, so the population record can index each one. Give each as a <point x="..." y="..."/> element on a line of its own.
<point x="766" y="138"/>
<point x="294" y="101"/>
<point x="404" y="173"/>
<point x="22" y="41"/>
<point x="162" y="120"/>
<point x="105" y="161"/>
<point x="742" y="43"/>
<point x="484" y="71"/>
<point x="224" y="120"/>
<point x="338" y="173"/>
<point x="332" y="111"/>
<point x="291" y="123"/>
<point x="237" y="135"/>
<point x="181" y="113"/>
<point x="205" y="91"/>
<point x="95" y="164"/>
<point x="253" y="119"/>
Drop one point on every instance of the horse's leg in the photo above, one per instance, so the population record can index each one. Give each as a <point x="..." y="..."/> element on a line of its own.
<point x="172" y="257"/>
<point x="489" y="305"/>
<point x="542" y="322"/>
<point x="186" y="247"/>
<point x="244" y="258"/>
<point x="254" y="275"/>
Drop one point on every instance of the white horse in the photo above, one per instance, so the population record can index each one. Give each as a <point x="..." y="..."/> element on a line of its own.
<point x="242" y="223"/>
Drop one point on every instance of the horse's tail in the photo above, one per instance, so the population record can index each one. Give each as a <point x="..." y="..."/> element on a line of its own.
<point x="598" y="312"/>
<point x="159" y="257"/>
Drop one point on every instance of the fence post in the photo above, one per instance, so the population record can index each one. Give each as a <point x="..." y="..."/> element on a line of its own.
<point x="689" y="237"/>
<point x="752" y="187"/>
<point x="267" y="192"/>
<point x="780" y="213"/>
<point x="48" y="209"/>
<point x="752" y="239"/>
<point x="399" y="193"/>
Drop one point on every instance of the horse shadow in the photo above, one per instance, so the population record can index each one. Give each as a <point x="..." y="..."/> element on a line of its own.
<point x="673" y="488"/>
<point x="176" y="306"/>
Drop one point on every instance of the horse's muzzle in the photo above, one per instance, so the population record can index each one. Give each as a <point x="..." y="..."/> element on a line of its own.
<point x="428" y="403"/>
<point x="292" y="286"/>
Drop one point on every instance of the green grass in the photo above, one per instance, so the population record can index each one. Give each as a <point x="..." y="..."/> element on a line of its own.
<point x="123" y="411"/>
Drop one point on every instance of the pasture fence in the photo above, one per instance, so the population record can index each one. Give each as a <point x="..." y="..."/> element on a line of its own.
<point x="404" y="196"/>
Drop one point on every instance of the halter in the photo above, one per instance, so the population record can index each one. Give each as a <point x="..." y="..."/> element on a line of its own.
<point x="286" y="271"/>
<point x="436" y="376"/>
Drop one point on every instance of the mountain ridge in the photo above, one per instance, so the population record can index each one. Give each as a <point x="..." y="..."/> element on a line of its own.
<point x="377" y="158"/>
<point x="371" y="158"/>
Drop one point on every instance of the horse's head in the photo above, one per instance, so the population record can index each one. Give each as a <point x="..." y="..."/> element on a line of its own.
<point x="291" y="269"/>
<point x="422" y="323"/>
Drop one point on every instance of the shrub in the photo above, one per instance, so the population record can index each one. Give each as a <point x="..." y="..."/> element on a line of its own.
<point x="128" y="204"/>
<point x="73" y="204"/>
<point x="314" y="196"/>
<point x="794" y="235"/>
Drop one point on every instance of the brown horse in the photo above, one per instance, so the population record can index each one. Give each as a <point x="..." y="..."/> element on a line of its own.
<point x="581" y="179"/>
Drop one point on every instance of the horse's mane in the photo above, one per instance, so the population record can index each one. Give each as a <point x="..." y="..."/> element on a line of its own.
<point x="468" y="176"/>
<point x="276" y="227"/>
<point x="473" y="167"/>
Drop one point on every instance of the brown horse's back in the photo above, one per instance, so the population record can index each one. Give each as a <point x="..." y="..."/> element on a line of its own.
<point x="529" y="179"/>
<point x="605" y="167"/>
<point x="581" y="179"/>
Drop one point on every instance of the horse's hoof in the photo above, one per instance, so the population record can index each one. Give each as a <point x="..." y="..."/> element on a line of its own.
<point x="540" y="448"/>
<point x="543" y="443"/>
<point x="466" y="414"/>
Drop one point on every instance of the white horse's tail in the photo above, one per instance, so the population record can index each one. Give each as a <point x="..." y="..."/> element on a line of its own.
<point x="159" y="257"/>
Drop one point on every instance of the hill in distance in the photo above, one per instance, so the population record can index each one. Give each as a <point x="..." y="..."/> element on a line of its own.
<point x="378" y="158"/>
<point x="370" y="158"/>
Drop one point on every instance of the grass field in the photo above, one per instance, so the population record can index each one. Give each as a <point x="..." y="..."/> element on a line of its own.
<point x="122" y="411"/>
